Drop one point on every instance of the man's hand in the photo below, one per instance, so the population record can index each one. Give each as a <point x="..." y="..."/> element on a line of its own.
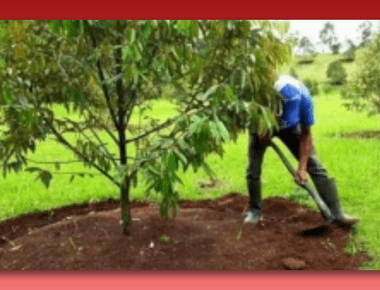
<point x="265" y="139"/>
<point x="301" y="176"/>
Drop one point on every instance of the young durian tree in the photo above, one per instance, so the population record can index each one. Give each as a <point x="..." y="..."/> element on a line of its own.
<point x="220" y="73"/>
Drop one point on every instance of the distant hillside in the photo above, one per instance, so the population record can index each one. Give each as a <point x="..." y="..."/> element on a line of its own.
<point x="317" y="69"/>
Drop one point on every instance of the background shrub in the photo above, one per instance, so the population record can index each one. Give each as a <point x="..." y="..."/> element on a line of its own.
<point x="306" y="60"/>
<point x="312" y="85"/>
<point x="327" y="88"/>
<point x="336" y="73"/>
<point x="349" y="56"/>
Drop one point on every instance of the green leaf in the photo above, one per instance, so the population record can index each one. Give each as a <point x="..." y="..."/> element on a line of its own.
<point x="164" y="209"/>
<point x="16" y="166"/>
<point x="132" y="36"/>
<point x="134" y="180"/>
<point x="150" y="185"/>
<point x="172" y="162"/>
<point x="72" y="27"/>
<point x="72" y="94"/>
<point x="194" y="28"/>
<point x="33" y="169"/>
<point x="136" y="54"/>
<point x="45" y="177"/>
<point x="184" y="26"/>
<point x="7" y="96"/>
<point x="184" y="146"/>
<point x="223" y="130"/>
<point x="55" y="25"/>
<point x="211" y="91"/>
<point x="153" y="170"/>
<point x="181" y="157"/>
<point x="166" y="185"/>
<point x="266" y="119"/>
<point x="229" y="93"/>
<point x="196" y="124"/>
<point x="176" y="178"/>
<point x="164" y="239"/>
<point x="208" y="170"/>
<point x="172" y="49"/>
<point x="214" y="129"/>
<point x="243" y="80"/>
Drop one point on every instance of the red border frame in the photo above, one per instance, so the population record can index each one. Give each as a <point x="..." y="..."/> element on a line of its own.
<point x="174" y="9"/>
<point x="190" y="280"/>
<point x="196" y="9"/>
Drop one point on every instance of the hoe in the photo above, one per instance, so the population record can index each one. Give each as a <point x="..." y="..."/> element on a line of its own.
<point x="320" y="203"/>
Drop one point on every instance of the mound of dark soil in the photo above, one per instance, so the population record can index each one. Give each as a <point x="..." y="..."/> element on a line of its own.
<point x="207" y="235"/>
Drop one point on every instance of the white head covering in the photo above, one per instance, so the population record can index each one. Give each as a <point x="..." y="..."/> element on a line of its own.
<point x="284" y="80"/>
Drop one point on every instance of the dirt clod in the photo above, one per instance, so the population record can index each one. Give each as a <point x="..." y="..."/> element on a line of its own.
<point x="293" y="264"/>
<point x="206" y="235"/>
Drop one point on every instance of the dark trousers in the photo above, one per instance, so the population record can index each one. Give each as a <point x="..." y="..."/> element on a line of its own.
<point x="290" y="137"/>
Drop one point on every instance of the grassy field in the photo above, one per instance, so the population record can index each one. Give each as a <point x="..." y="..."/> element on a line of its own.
<point x="317" y="69"/>
<point x="353" y="163"/>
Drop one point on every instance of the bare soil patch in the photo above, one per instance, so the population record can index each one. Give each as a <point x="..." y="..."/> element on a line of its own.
<point x="206" y="235"/>
<point x="362" y="135"/>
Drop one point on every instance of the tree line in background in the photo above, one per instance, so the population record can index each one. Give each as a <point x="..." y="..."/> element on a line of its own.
<point x="362" y="91"/>
<point x="335" y="72"/>
<point x="328" y="38"/>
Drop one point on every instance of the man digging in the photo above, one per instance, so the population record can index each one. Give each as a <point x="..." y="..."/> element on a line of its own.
<point x="295" y="118"/>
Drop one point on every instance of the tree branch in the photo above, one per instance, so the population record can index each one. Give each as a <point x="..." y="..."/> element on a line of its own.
<point x="104" y="147"/>
<point x="53" y="162"/>
<point x="163" y="125"/>
<point x="101" y="75"/>
<point x="119" y="82"/>
<point x="109" y="133"/>
<point x="79" y="173"/>
<point x="101" y="143"/>
<point x="88" y="109"/>
<point x="62" y="140"/>
<point x="113" y="137"/>
<point x="172" y="134"/>
<point x="62" y="162"/>
<point x="129" y="109"/>
<point x="157" y="128"/>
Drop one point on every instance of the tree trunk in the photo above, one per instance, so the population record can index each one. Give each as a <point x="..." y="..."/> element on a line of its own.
<point x="121" y="127"/>
<point x="125" y="185"/>
<point x="125" y="206"/>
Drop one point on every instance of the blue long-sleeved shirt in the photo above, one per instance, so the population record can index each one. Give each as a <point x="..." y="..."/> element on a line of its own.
<point x="298" y="107"/>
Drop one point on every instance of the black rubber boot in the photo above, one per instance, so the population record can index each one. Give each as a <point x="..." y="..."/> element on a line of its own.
<point x="252" y="217"/>
<point x="254" y="212"/>
<point x="328" y="192"/>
